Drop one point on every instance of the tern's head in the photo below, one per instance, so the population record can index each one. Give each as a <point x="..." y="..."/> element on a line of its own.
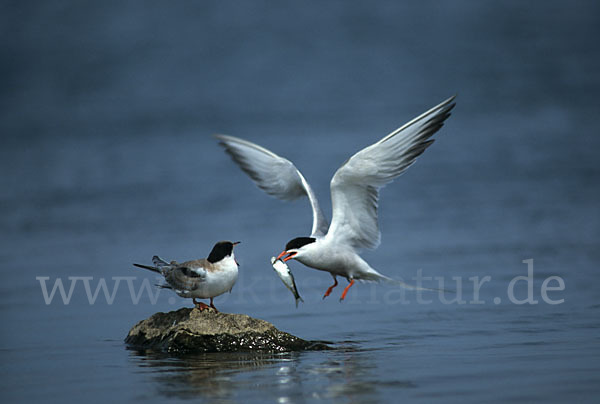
<point x="221" y="250"/>
<point x="295" y="246"/>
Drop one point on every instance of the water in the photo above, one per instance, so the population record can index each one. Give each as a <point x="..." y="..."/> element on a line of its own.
<point x="107" y="159"/>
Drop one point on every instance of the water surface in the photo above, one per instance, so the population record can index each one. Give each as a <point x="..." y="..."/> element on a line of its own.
<point x="107" y="159"/>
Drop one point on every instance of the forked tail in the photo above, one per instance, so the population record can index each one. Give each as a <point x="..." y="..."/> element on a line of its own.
<point x="160" y="265"/>
<point x="378" y="277"/>
<point x="153" y="269"/>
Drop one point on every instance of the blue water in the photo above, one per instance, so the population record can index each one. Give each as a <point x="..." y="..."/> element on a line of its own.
<point x="107" y="158"/>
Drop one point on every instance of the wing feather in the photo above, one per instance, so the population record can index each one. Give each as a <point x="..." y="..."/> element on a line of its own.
<point x="184" y="278"/>
<point x="275" y="175"/>
<point x="355" y="185"/>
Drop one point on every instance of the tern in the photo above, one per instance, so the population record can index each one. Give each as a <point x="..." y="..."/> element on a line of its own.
<point x="354" y="195"/>
<point x="204" y="278"/>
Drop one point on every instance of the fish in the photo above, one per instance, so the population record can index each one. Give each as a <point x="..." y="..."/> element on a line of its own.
<point x="284" y="273"/>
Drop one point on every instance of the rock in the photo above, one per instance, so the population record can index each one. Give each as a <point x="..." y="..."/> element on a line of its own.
<point x="192" y="330"/>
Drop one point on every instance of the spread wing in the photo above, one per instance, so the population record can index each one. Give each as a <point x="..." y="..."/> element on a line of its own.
<point x="355" y="185"/>
<point x="275" y="175"/>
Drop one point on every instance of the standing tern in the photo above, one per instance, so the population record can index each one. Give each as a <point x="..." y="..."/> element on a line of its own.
<point x="354" y="195"/>
<point x="204" y="278"/>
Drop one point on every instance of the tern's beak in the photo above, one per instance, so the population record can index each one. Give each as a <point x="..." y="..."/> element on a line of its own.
<point x="289" y="255"/>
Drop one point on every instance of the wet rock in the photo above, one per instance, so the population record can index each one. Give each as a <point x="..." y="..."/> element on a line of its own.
<point x="192" y="330"/>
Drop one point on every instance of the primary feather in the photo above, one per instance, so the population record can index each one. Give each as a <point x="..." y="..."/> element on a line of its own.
<point x="275" y="175"/>
<point x="355" y="185"/>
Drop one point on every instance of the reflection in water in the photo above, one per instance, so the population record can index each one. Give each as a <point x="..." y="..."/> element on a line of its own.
<point x="345" y="373"/>
<point x="211" y="376"/>
<point x="350" y="375"/>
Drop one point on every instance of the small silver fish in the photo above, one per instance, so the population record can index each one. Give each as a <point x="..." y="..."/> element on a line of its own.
<point x="284" y="273"/>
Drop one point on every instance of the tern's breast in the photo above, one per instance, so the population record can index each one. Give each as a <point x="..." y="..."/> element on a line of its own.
<point x="218" y="281"/>
<point x="339" y="260"/>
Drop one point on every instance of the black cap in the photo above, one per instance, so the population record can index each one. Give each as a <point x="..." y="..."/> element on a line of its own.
<point x="221" y="250"/>
<point x="299" y="242"/>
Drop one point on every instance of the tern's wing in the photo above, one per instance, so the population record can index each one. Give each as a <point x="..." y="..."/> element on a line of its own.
<point x="275" y="175"/>
<point x="186" y="278"/>
<point x="355" y="185"/>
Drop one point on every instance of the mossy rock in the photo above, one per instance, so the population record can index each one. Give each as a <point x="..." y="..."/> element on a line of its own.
<point x="192" y="330"/>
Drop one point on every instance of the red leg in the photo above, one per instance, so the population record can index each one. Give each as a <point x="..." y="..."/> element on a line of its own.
<point x="212" y="305"/>
<point x="329" y="289"/>
<point x="199" y="305"/>
<point x="346" y="290"/>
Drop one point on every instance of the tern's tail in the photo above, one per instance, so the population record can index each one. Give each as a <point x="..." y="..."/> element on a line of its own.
<point x="160" y="265"/>
<point x="377" y="277"/>
<point x="154" y="269"/>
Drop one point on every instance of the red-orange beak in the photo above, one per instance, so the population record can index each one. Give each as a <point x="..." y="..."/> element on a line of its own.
<point x="289" y="255"/>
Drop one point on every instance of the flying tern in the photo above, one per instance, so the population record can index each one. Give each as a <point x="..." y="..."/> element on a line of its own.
<point x="355" y="189"/>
